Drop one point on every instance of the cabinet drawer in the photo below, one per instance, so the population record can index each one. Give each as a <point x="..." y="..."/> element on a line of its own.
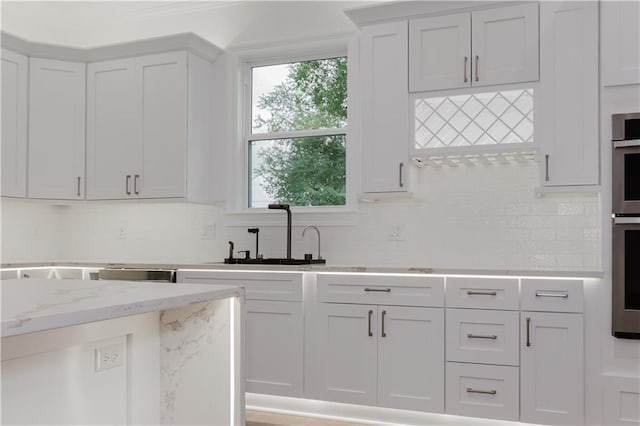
<point x="379" y="290"/>
<point x="490" y="337"/>
<point x="281" y="286"/>
<point x="552" y="295"/>
<point x="478" y="390"/>
<point x="482" y="293"/>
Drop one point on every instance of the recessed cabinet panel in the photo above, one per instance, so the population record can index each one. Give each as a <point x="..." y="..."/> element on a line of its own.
<point x="621" y="42"/>
<point x="505" y="45"/>
<point x="552" y="368"/>
<point x="411" y="363"/>
<point x="14" y="124"/>
<point x="385" y="112"/>
<point x="569" y="93"/>
<point x="476" y="390"/>
<point x="113" y="129"/>
<point x="440" y="52"/>
<point x="348" y="359"/>
<point x="274" y="347"/>
<point x="164" y="125"/>
<point x="478" y="336"/>
<point x="56" y="129"/>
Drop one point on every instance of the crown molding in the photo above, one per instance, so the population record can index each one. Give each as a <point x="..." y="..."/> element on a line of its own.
<point x="183" y="41"/>
<point x="399" y="10"/>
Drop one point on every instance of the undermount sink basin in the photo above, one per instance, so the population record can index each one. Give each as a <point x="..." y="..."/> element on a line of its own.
<point x="275" y="261"/>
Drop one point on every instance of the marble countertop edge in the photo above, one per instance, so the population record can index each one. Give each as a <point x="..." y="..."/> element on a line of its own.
<point x="384" y="269"/>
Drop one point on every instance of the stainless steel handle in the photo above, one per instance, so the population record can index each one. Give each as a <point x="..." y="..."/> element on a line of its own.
<point x="477" y="74"/>
<point x="626" y="221"/>
<point x="383" y="290"/>
<point x="482" y="293"/>
<point x="400" y="175"/>
<point x="78" y="186"/>
<point x="528" y="331"/>
<point x="478" y="336"/>
<point x="546" y="161"/>
<point x="466" y="61"/>
<point x="545" y="294"/>
<point x="127" y="185"/>
<point x="370" y="314"/>
<point x="488" y="392"/>
<point x="135" y="184"/>
<point x="626" y="144"/>
<point x="383" y="334"/>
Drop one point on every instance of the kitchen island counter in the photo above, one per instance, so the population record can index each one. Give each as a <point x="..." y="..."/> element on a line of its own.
<point x="118" y="352"/>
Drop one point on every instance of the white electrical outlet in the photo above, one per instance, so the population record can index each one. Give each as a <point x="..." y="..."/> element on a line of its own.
<point x="122" y="231"/>
<point x="395" y="233"/>
<point x="208" y="231"/>
<point x="109" y="356"/>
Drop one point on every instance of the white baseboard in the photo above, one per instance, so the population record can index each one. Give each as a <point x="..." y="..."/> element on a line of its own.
<point x="359" y="413"/>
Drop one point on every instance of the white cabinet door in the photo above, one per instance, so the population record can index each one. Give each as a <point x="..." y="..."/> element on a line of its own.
<point x="440" y="52"/>
<point x="505" y="45"/>
<point x="620" y="42"/>
<point x="569" y="93"/>
<point x="348" y="360"/>
<point x="274" y="347"/>
<point x="56" y="129"/>
<point x="163" y="82"/>
<point x="411" y="358"/>
<point x="114" y="131"/>
<point x="385" y="107"/>
<point x="552" y="368"/>
<point x="14" y="124"/>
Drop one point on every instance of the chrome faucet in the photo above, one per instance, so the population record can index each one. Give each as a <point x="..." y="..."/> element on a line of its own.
<point x="318" y="232"/>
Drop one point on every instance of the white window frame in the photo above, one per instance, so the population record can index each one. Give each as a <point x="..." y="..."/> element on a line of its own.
<point x="299" y="52"/>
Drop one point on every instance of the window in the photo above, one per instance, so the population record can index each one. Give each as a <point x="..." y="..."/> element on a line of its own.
<point x="296" y="135"/>
<point x="472" y="120"/>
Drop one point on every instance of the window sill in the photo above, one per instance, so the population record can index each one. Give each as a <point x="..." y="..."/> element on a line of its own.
<point x="310" y="216"/>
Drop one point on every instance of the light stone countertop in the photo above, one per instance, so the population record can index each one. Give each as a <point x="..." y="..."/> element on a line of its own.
<point x="376" y="269"/>
<point x="40" y="304"/>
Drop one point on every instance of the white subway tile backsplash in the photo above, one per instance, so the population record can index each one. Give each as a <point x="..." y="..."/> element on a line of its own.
<point x="476" y="218"/>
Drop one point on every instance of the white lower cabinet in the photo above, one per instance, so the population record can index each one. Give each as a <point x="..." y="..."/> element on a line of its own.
<point x="476" y="390"/>
<point x="552" y="368"/>
<point x="274" y="329"/>
<point x="389" y="356"/>
<point x="274" y="349"/>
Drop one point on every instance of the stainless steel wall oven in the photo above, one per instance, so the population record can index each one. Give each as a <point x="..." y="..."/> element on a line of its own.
<point x="626" y="226"/>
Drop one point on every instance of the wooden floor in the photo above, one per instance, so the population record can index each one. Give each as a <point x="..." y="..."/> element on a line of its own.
<point x="261" y="418"/>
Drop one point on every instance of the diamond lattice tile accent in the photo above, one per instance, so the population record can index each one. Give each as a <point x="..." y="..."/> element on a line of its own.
<point x="493" y="118"/>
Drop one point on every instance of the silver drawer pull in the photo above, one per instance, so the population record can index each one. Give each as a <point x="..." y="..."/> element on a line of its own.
<point x="488" y="392"/>
<point x="482" y="293"/>
<point x="383" y="290"/>
<point x="477" y="336"/>
<point x="543" y="294"/>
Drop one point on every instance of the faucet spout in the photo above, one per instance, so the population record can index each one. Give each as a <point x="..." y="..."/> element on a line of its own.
<point x="288" y="210"/>
<point x="318" y="232"/>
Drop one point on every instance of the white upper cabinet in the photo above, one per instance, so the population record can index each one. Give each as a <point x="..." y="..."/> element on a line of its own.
<point x="14" y="124"/>
<point x="620" y="42"/>
<point x="482" y="48"/>
<point x="569" y="93"/>
<point x="144" y="116"/>
<point x="440" y="52"/>
<point x="505" y="45"/>
<point x="114" y="151"/>
<point x="385" y="111"/>
<point x="56" y="129"/>
<point x="164" y="125"/>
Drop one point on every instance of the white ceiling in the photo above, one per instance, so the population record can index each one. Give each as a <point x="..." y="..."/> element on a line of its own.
<point x="224" y="23"/>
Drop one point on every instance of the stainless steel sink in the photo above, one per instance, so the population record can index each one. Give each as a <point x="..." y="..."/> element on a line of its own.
<point x="275" y="261"/>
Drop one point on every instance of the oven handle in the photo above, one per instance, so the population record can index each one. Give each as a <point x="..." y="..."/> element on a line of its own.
<point x="626" y="220"/>
<point x="626" y="144"/>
